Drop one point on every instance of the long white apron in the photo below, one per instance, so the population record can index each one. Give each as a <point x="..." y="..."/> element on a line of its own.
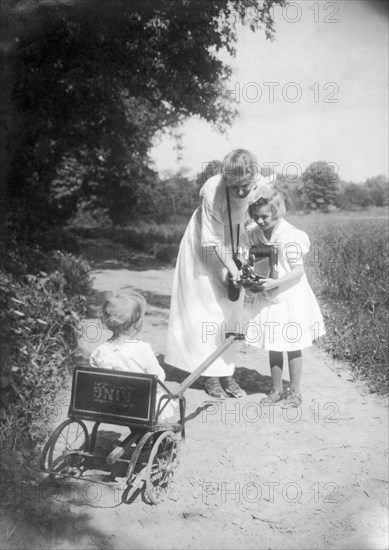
<point x="200" y="311"/>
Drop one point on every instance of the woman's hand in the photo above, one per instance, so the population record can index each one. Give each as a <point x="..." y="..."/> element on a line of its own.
<point x="236" y="277"/>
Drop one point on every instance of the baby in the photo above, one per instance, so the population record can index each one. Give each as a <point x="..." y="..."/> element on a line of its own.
<point x="123" y="314"/>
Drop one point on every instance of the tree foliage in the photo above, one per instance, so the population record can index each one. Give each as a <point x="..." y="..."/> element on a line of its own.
<point x="210" y="169"/>
<point x="318" y="190"/>
<point x="318" y="186"/>
<point x="93" y="82"/>
<point x="373" y="192"/>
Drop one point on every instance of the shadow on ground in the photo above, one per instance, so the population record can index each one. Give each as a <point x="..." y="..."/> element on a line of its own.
<point x="254" y="382"/>
<point x="49" y="522"/>
<point x="248" y="379"/>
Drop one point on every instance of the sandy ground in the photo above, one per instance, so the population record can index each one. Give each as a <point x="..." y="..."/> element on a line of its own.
<point x="249" y="478"/>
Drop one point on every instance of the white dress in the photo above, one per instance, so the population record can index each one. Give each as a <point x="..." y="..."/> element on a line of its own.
<point x="289" y="318"/>
<point x="132" y="356"/>
<point x="200" y="311"/>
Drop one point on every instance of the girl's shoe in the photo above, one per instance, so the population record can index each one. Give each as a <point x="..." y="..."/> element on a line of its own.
<point x="273" y="398"/>
<point x="293" y="399"/>
<point x="232" y="387"/>
<point x="213" y="388"/>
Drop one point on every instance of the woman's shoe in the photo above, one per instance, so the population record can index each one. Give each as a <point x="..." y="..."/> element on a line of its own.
<point x="293" y="399"/>
<point x="273" y="398"/>
<point x="213" y="388"/>
<point x="232" y="387"/>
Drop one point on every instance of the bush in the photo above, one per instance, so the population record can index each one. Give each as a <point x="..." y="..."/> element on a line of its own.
<point x="91" y="217"/>
<point x="42" y="299"/>
<point x="166" y="253"/>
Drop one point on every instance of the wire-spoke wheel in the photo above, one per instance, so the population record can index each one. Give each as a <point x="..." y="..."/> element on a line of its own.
<point x="61" y="453"/>
<point x="162" y="462"/>
<point x="136" y="470"/>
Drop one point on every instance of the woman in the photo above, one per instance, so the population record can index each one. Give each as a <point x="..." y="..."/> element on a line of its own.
<point x="201" y="311"/>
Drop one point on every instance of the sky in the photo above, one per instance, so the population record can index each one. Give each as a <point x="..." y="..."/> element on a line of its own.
<point x="325" y="97"/>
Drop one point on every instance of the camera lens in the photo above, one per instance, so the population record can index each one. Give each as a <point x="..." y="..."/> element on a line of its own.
<point x="247" y="271"/>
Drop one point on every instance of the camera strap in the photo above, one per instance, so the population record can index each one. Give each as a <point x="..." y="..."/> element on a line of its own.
<point x="234" y="252"/>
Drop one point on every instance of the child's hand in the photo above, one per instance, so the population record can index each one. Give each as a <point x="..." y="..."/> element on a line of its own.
<point x="254" y="286"/>
<point x="269" y="284"/>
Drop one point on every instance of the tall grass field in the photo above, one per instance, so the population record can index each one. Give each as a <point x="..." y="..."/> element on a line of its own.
<point x="348" y="269"/>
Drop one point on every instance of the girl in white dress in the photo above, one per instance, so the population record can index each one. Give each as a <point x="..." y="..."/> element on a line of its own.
<point x="123" y="313"/>
<point x="287" y="317"/>
<point x="200" y="311"/>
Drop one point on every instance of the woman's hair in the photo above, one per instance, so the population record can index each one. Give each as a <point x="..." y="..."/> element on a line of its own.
<point x="276" y="202"/>
<point x="123" y="310"/>
<point x="240" y="164"/>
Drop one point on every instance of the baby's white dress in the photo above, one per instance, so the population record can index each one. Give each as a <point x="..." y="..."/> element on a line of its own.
<point x="132" y="356"/>
<point x="289" y="318"/>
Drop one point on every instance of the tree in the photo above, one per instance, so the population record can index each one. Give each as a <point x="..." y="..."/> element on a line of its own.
<point x="288" y="190"/>
<point x="377" y="189"/>
<point x="179" y="192"/>
<point x="352" y="196"/>
<point x="92" y="86"/>
<point x="210" y="169"/>
<point x="374" y="192"/>
<point x="318" y="186"/>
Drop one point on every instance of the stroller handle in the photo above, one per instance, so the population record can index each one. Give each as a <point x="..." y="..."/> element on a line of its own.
<point x="230" y="339"/>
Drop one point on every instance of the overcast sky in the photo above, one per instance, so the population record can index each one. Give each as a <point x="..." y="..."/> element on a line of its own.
<point x="328" y="99"/>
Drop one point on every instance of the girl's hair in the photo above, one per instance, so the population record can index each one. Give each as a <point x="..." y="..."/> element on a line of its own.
<point x="240" y="164"/>
<point x="123" y="310"/>
<point x="276" y="202"/>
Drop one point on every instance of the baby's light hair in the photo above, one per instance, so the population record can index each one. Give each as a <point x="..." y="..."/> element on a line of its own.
<point x="238" y="165"/>
<point x="123" y="311"/>
<point x="275" y="201"/>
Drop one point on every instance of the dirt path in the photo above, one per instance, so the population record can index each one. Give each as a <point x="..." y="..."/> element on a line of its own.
<point x="248" y="477"/>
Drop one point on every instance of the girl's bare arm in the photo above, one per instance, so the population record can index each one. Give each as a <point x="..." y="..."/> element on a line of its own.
<point x="293" y="276"/>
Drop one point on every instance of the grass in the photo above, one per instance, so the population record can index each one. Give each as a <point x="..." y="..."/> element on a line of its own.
<point x="348" y="268"/>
